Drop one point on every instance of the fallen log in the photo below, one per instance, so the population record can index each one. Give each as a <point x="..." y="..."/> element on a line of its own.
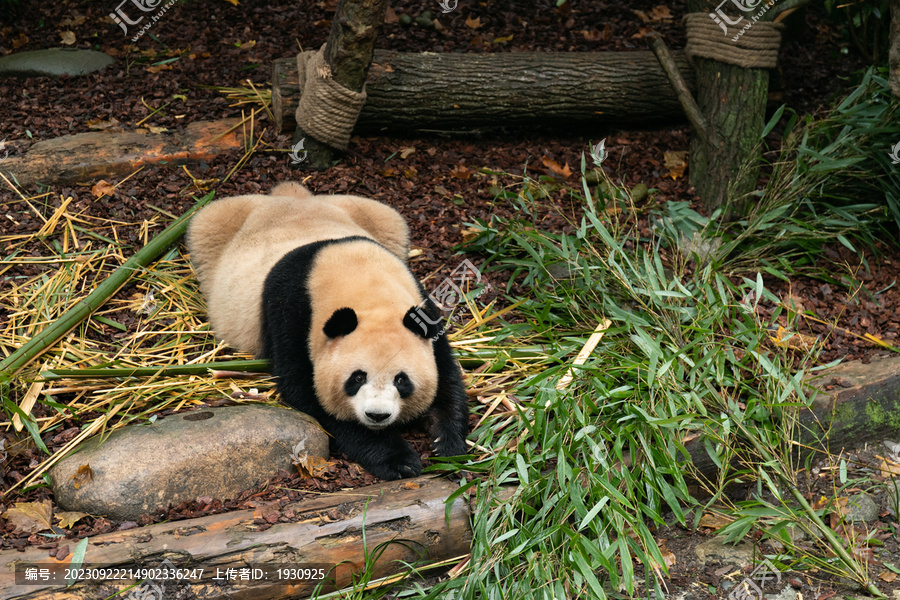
<point x="461" y="92"/>
<point x="406" y="517"/>
<point x="87" y="157"/>
<point x="856" y="403"/>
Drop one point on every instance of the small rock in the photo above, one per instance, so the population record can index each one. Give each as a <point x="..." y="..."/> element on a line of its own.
<point x="639" y="192"/>
<point x="717" y="551"/>
<point x="560" y="271"/>
<point x="861" y="508"/>
<point x="54" y="62"/>
<point x="423" y="21"/>
<point x="215" y="452"/>
<point x="787" y="593"/>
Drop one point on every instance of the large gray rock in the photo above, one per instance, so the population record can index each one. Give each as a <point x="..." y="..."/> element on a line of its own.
<point x="216" y="452"/>
<point x="54" y="62"/>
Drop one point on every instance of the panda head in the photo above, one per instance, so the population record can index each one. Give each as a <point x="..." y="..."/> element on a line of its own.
<point x="376" y="368"/>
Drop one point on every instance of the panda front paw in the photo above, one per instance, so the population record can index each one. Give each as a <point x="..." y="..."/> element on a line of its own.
<point x="449" y="444"/>
<point x="403" y="462"/>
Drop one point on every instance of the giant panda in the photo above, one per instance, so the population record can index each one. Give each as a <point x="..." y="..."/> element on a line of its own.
<point x="319" y="285"/>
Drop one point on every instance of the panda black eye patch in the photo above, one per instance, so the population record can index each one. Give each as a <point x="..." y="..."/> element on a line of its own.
<point x="404" y="386"/>
<point x="356" y="380"/>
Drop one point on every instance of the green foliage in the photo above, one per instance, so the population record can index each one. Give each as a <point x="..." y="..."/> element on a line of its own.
<point x="865" y="23"/>
<point x="597" y="464"/>
<point x="833" y="182"/>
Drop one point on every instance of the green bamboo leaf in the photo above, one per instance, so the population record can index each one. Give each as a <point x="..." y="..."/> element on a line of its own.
<point x="77" y="560"/>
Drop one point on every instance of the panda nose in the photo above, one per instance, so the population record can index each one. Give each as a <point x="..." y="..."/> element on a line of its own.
<point x="377" y="417"/>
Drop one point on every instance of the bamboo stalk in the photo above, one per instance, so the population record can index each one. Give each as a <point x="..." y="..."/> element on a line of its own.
<point x="38" y="344"/>
<point x="471" y="358"/>
<point x="251" y="366"/>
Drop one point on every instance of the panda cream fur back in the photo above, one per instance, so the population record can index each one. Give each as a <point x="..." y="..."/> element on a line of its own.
<point x="319" y="285"/>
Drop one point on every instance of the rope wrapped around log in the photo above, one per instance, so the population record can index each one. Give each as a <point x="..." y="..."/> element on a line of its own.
<point x="754" y="48"/>
<point x="327" y="110"/>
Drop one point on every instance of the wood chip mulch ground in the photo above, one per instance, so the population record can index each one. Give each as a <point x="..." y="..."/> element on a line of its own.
<point x="163" y="81"/>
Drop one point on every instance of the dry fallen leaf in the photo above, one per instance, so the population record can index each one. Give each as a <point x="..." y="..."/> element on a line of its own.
<point x="714" y="520"/>
<point x="406" y="151"/>
<point x="643" y="32"/>
<point x="70" y="21"/>
<point x="69" y="518"/>
<point x="473" y="23"/>
<point x="661" y="13"/>
<point x="158" y="68"/>
<point x="154" y="129"/>
<point x="411" y="485"/>
<point x="102" y="188"/>
<point x="889" y="469"/>
<point x="792" y="340"/>
<point x="410" y="172"/>
<point x="19" y="41"/>
<point x="503" y="39"/>
<point x="390" y="15"/>
<point x="111" y="125"/>
<point x="30" y="517"/>
<point x="551" y="164"/>
<point x="312" y="466"/>
<point x="469" y="234"/>
<point x="68" y="38"/>
<point x="83" y="475"/>
<point x="595" y="35"/>
<point x="676" y="163"/>
<point x="668" y="557"/>
<point x="460" y="172"/>
<point x="234" y="2"/>
<point x="888" y="576"/>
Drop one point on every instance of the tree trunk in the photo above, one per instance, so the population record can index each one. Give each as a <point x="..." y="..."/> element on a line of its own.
<point x="462" y="92"/>
<point x="348" y="53"/>
<point x="321" y="532"/>
<point x="895" y="48"/>
<point x="733" y="99"/>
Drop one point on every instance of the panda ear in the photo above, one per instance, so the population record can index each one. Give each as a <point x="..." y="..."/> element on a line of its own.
<point x="341" y="323"/>
<point x="421" y="323"/>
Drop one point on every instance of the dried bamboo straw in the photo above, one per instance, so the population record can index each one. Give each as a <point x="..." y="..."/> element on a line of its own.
<point x="38" y="344"/>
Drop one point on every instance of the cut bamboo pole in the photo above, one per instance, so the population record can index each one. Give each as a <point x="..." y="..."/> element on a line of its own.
<point x="469" y="358"/>
<point x="83" y="309"/>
